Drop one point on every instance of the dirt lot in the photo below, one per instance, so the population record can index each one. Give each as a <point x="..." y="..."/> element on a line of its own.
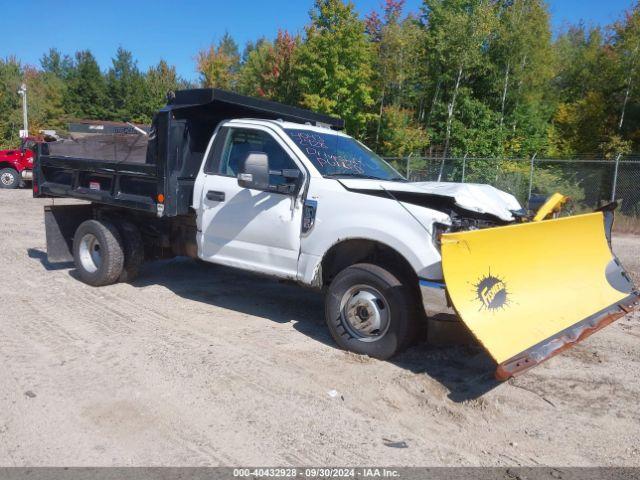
<point x="202" y="365"/>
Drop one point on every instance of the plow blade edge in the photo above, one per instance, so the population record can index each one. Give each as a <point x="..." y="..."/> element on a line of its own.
<point x="529" y="291"/>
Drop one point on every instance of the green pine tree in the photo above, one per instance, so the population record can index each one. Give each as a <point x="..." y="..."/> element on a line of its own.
<point x="334" y="65"/>
<point x="86" y="94"/>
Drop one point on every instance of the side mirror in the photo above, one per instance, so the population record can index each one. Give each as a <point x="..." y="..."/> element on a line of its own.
<point x="254" y="171"/>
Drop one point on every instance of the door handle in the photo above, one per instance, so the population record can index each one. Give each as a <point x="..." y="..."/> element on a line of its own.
<point x="215" y="196"/>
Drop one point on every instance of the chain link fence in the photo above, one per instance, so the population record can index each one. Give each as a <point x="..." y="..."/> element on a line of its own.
<point x="589" y="183"/>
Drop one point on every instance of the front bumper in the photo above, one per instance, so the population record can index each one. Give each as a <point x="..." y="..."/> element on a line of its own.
<point x="27" y="175"/>
<point x="444" y="327"/>
<point x="434" y="298"/>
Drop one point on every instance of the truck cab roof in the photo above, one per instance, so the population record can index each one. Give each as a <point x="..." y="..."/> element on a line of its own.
<point x="287" y="125"/>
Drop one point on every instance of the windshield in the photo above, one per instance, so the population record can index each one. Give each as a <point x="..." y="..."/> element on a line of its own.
<point x="339" y="156"/>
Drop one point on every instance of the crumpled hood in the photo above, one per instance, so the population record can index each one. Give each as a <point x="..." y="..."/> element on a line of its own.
<point x="469" y="196"/>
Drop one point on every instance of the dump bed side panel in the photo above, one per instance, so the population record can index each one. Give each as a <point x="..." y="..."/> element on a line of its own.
<point x="125" y="185"/>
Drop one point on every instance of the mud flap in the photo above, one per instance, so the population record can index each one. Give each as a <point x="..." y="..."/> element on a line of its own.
<point x="61" y="222"/>
<point x="531" y="290"/>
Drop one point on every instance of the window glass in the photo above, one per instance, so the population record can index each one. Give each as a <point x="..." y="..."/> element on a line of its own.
<point x="211" y="165"/>
<point x="340" y="156"/>
<point x="241" y="142"/>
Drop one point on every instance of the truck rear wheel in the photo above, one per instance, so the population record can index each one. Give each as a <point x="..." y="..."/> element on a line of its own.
<point x="9" y="178"/>
<point x="98" y="252"/>
<point x="133" y="248"/>
<point x="370" y="311"/>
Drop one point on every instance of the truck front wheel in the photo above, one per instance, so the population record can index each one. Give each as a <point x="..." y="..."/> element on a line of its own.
<point x="9" y="178"/>
<point x="370" y="311"/>
<point x="98" y="252"/>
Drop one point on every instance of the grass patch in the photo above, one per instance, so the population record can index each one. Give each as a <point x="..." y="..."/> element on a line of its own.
<point x="626" y="224"/>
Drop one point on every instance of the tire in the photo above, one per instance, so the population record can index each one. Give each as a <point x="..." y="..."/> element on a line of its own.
<point x="98" y="252"/>
<point x="10" y="178"/>
<point x="365" y="292"/>
<point x="133" y="248"/>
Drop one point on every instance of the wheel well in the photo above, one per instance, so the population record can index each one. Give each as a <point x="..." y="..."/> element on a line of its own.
<point x="350" y="252"/>
<point x="7" y="165"/>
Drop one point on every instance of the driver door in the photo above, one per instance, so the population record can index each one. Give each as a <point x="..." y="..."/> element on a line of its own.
<point x="243" y="227"/>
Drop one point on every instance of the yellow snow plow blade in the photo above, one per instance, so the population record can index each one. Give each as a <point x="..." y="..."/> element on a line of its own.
<point x="528" y="291"/>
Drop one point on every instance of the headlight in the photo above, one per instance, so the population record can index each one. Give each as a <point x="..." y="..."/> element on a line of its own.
<point x="437" y="230"/>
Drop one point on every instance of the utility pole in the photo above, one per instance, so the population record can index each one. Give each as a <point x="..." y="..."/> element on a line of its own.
<point x="23" y="93"/>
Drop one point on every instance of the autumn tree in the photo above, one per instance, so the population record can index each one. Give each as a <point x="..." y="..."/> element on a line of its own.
<point x="523" y="65"/>
<point x="400" y="135"/>
<point x="398" y="72"/>
<point x="483" y="77"/>
<point x="219" y="65"/>
<point x="588" y="86"/>
<point x="10" y="117"/>
<point x="268" y="70"/>
<point x="333" y="66"/>
<point x="45" y="97"/>
<point x="159" y="80"/>
<point x="457" y="36"/>
<point x="626" y="47"/>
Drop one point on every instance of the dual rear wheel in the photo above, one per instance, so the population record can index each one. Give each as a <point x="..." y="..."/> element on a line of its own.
<point x="107" y="252"/>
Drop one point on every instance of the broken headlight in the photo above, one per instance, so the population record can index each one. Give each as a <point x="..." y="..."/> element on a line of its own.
<point x="437" y="230"/>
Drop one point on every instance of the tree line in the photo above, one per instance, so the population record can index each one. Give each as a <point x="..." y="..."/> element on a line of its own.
<point x="486" y="78"/>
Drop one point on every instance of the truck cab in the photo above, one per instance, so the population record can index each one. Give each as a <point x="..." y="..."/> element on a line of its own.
<point x="276" y="196"/>
<point x="16" y="165"/>
<point x="310" y="204"/>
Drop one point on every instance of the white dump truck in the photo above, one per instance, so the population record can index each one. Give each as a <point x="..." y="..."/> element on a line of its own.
<point x="283" y="192"/>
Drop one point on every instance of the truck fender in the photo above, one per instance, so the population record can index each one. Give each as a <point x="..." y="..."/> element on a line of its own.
<point x="425" y="263"/>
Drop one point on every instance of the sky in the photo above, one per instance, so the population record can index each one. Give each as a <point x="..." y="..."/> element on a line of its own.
<point x="176" y="30"/>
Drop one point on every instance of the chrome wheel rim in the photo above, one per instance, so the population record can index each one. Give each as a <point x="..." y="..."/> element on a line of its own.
<point x="6" y="178"/>
<point x="90" y="253"/>
<point x="365" y="313"/>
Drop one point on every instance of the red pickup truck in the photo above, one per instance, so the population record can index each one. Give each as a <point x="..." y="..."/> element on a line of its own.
<point x="16" y="165"/>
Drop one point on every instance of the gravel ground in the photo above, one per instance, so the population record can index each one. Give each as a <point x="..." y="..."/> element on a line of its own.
<point x="202" y="365"/>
